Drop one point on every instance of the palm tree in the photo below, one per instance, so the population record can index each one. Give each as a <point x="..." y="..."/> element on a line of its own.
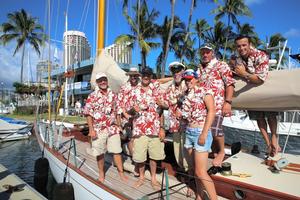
<point x="25" y="30"/>
<point x="143" y="30"/>
<point x="272" y="42"/>
<point x="231" y="9"/>
<point x="167" y="44"/>
<point x="189" y="24"/>
<point x="201" y="27"/>
<point x="216" y="37"/>
<point x="247" y="29"/>
<point x="182" y="48"/>
<point x="163" y="31"/>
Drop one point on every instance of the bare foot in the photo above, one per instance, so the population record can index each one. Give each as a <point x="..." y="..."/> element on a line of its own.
<point x="139" y="183"/>
<point x="123" y="177"/>
<point x="217" y="161"/>
<point x="275" y="150"/>
<point x="101" y="179"/>
<point x="155" y="184"/>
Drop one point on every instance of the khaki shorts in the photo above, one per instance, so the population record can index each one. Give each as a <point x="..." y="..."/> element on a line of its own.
<point x="152" y="145"/>
<point x="104" y="143"/>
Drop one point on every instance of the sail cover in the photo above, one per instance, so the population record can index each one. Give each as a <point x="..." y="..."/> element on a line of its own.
<point x="280" y="92"/>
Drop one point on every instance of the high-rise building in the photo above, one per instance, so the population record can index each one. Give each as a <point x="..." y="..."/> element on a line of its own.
<point x="121" y="53"/>
<point x="76" y="47"/>
<point x="42" y="69"/>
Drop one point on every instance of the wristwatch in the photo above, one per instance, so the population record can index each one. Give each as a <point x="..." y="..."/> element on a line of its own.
<point x="228" y="101"/>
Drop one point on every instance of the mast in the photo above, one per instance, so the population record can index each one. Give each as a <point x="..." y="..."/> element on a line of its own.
<point x="66" y="64"/>
<point x="101" y="27"/>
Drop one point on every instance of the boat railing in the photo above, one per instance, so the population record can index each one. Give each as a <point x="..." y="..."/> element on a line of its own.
<point x="52" y="135"/>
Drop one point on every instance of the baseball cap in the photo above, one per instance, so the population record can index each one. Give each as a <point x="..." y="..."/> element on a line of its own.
<point x="189" y="74"/>
<point x="100" y="75"/>
<point x="208" y="46"/>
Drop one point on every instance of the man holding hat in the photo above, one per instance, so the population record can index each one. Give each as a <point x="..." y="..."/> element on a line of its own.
<point x="100" y="112"/>
<point x="217" y="76"/>
<point x="148" y="129"/>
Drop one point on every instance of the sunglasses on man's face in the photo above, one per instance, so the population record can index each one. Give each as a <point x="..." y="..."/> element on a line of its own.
<point x="134" y="76"/>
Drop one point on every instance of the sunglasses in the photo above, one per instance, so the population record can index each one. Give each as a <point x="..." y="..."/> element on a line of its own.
<point x="101" y="80"/>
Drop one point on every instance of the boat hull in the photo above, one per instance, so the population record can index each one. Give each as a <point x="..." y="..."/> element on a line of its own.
<point x="85" y="187"/>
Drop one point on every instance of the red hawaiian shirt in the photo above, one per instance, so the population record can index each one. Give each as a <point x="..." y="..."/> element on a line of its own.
<point x="216" y="76"/>
<point x="148" y="122"/>
<point x="101" y="107"/>
<point x="171" y="97"/>
<point x="194" y="108"/>
<point x="257" y="63"/>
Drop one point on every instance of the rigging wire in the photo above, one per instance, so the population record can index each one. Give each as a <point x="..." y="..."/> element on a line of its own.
<point x="86" y="14"/>
<point x="94" y="29"/>
<point x="82" y="15"/>
<point x="57" y="16"/>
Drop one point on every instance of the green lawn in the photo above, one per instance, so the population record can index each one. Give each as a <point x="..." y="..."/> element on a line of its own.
<point x="31" y="118"/>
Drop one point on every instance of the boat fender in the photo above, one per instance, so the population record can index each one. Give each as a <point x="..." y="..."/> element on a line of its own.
<point x="63" y="191"/>
<point x="41" y="169"/>
<point x="226" y="169"/>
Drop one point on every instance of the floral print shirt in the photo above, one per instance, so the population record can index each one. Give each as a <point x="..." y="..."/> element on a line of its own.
<point x="124" y="100"/>
<point x="216" y="76"/>
<point x="101" y="107"/>
<point x="171" y="97"/>
<point x="148" y="123"/>
<point x="194" y="108"/>
<point x="257" y="63"/>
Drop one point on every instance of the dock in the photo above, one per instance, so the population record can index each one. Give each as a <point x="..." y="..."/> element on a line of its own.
<point x="14" y="188"/>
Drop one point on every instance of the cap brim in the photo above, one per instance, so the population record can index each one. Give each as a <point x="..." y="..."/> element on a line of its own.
<point x="188" y="77"/>
<point x="206" y="47"/>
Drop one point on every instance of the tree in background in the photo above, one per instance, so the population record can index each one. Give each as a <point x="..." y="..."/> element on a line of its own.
<point x="231" y="9"/>
<point x="143" y="30"/>
<point x="23" y="29"/>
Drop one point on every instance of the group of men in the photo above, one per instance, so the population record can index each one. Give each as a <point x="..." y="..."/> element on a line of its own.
<point x="197" y="101"/>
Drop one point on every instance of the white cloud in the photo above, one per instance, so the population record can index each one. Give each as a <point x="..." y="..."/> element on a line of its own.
<point x="292" y="33"/>
<point x="251" y="2"/>
<point x="10" y="65"/>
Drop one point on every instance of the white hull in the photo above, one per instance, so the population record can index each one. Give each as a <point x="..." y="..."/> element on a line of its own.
<point x="83" y="187"/>
<point x="250" y="125"/>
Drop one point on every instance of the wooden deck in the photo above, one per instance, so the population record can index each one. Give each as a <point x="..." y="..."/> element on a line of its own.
<point x="9" y="179"/>
<point x="87" y="164"/>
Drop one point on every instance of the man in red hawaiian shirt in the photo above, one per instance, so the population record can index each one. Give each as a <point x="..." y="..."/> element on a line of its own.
<point x="125" y="105"/>
<point x="253" y="65"/>
<point x="101" y="118"/>
<point x="216" y="75"/>
<point x="148" y="129"/>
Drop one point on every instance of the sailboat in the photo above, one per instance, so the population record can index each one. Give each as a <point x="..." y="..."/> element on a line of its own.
<point x="66" y="149"/>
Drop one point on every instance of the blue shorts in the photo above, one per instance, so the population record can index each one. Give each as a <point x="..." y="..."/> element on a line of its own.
<point x="191" y="140"/>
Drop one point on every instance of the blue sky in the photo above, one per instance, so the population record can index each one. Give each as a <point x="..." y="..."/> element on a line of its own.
<point x="269" y="17"/>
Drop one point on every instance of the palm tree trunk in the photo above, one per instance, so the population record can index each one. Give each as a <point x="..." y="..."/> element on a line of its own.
<point x="228" y="23"/>
<point x="144" y="64"/>
<point x="188" y="28"/>
<point x="22" y="62"/>
<point x="163" y="65"/>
